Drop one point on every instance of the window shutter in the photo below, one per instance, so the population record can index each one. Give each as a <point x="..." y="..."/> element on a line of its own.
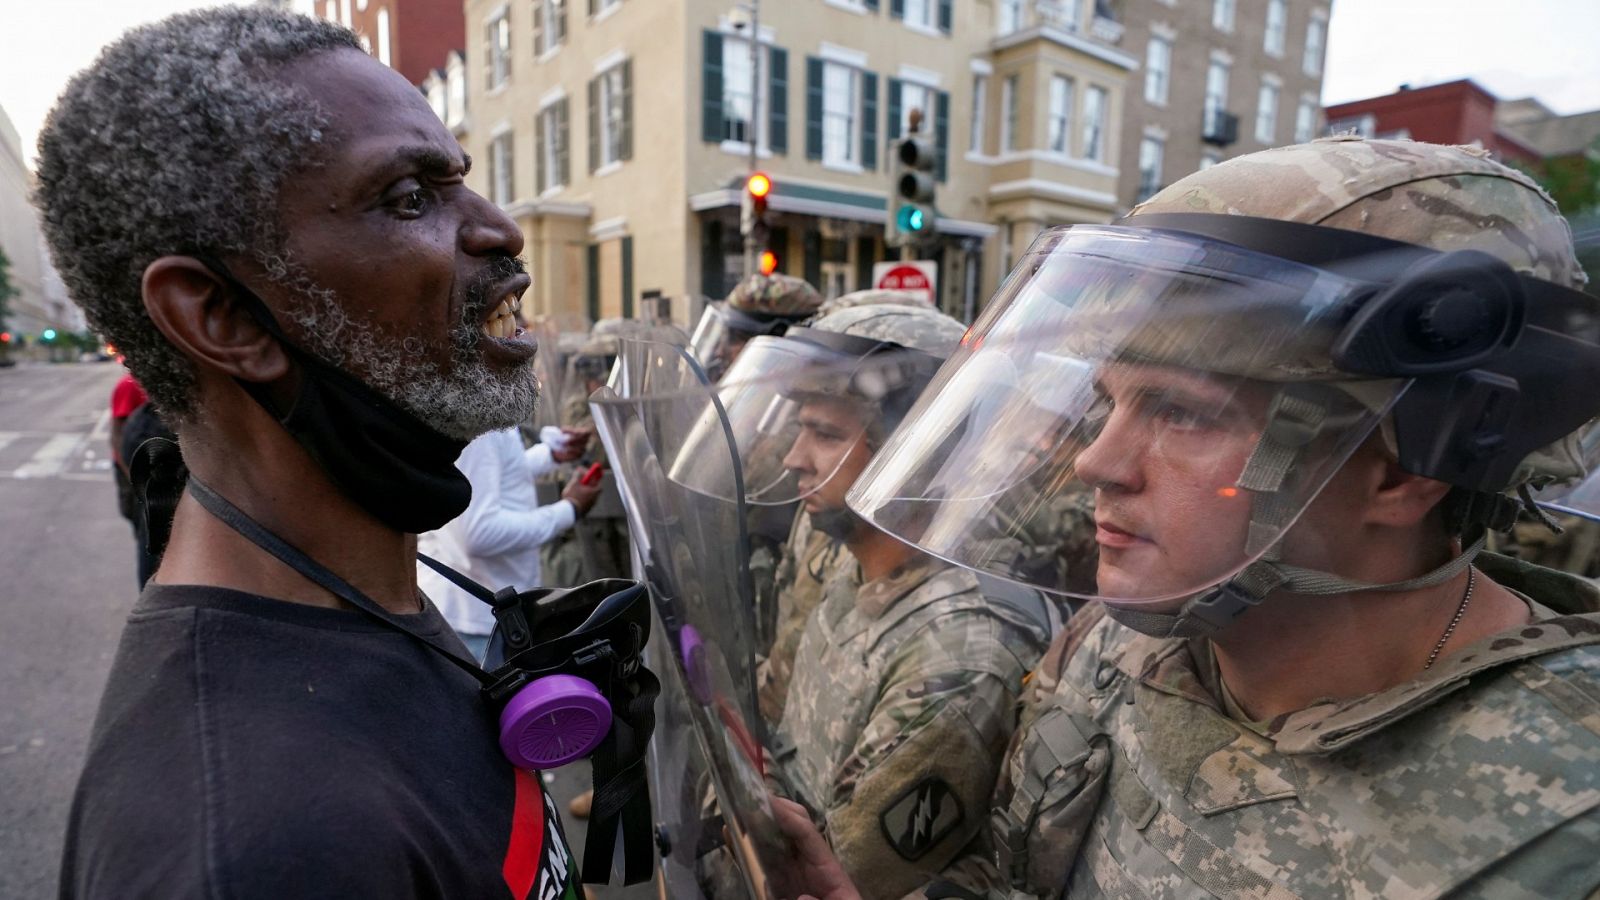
<point x="872" y="5"/>
<point x="594" y="124"/>
<point x="711" y="87"/>
<point x="946" y="15"/>
<point x="488" y="55"/>
<point x="813" y="108"/>
<point x="592" y="282"/>
<point x="866" y="255"/>
<point x="897" y="9"/>
<point x="813" y="252"/>
<point x="560" y="23"/>
<point x="869" y="120"/>
<point x="591" y="8"/>
<point x="626" y="151"/>
<point x="541" y="175"/>
<point x="941" y="131"/>
<point x="894" y="109"/>
<point x="564" y="148"/>
<point x="627" y="276"/>
<point x="538" y="27"/>
<point x="778" y="100"/>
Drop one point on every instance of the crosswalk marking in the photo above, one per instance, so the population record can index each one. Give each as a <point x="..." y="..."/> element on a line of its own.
<point x="49" y="460"/>
<point x="6" y="437"/>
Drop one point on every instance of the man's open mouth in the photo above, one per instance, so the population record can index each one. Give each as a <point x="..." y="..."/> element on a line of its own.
<point x="502" y="321"/>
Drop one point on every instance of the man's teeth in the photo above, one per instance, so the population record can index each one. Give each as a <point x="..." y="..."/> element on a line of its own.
<point x="503" y="320"/>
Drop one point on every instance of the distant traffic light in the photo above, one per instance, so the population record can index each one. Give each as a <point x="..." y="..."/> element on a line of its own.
<point x="911" y="212"/>
<point x="767" y="263"/>
<point x="48" y="335"/>
<point x="5" y="337"/>
<point x="753" y="211"/>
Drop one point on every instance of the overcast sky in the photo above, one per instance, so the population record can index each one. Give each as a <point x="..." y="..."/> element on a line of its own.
<point x="1549" y="49"/>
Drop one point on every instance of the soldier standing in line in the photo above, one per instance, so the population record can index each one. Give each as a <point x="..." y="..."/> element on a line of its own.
<point x="1320" y="374"/>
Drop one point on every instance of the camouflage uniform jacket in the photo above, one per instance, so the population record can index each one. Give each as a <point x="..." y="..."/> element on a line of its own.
<point x="811" y="560"/>
<point x="1479" y="778"/>
<point x="902" y="701"/>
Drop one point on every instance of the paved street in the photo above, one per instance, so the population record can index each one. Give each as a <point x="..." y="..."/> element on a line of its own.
<point x="66" y="583"/>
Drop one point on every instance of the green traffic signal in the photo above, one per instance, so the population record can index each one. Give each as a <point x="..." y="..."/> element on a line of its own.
<point x="49" y="334"/>
<point x="910" y="219"/>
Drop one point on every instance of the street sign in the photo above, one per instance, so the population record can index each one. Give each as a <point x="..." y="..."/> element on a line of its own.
<point x="921" y="275"/>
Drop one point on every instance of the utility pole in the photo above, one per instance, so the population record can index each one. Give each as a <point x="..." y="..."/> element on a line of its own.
<point x="753" y="131"/>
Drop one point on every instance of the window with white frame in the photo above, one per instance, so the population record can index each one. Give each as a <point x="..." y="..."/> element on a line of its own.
<point x="1267" y="113"/>
<point x="1305" y="121"/>
<point x="550" y="22"/>
<point x="1222" y="12"/>
<point x="1316" y="35"/>
<point x="1008" y="114"/>
<point x="841" y="102"/>
<point x="1216" y="101"/>
<point x="1157" y="70"/>
<point x="1096" y="103"/>
<point x="736" y="96"/>
<point x="553" y="128"/>
<point x="497" y="36"/>
<point x="1209" y="159"/>
<point x="500" y="160"/>
<point x="980" y="100"/>
<point x="456" y="88"/>
<point x="611" y="115"/>
<point x="919" y="13"/>
<point x="1151" y="152"/>
<point x="384" y="55"/>
<point x="915" y="96"/>
<point x="1277" y="27"/>
<point x="1010" y="14"/>
<point x="601" y="6"/>
<point x="1060" y="135"/>
<point x="437" y="98"/>
<point x="1062" y="14"/>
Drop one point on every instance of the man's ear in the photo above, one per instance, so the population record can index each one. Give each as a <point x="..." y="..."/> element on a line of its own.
<point x="1400" y="499"/>
<point x="203" y="318"/>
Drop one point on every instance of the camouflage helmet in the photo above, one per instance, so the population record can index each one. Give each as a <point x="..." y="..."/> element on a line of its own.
<point x="916" y="327"/>
<point x="775" y="295"/>
<point x="1440" y="197"/>
<point x="874" y="296"/>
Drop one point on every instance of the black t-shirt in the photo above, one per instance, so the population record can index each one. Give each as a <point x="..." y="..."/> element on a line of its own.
<point x="252" y="748"/>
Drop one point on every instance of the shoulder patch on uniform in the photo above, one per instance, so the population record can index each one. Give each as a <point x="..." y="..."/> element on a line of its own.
<point x="921" y="818"/>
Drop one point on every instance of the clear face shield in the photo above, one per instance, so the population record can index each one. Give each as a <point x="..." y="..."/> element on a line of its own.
<point x="1153" y="407"/>
<point x="799" y="408"/>
<point x="723" y="332"/>
<point x="692" y="552"/>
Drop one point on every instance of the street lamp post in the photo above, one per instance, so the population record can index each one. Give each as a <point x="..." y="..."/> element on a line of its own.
<point x="752" y="133"/>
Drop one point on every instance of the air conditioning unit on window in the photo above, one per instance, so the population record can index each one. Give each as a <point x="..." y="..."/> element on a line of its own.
<point x="1220" y="127"/>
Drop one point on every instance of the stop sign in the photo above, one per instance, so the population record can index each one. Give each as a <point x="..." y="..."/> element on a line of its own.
<point x="918" y="275"/>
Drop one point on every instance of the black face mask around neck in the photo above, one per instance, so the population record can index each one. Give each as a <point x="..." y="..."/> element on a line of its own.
<point x="391" y="463"/>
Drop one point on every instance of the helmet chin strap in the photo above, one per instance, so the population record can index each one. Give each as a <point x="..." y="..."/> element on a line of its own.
<point x="1209" y="612"/>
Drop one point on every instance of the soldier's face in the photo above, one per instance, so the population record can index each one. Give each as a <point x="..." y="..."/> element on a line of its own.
<point x="829" y="453"/>
<point x="1168" y="516"/>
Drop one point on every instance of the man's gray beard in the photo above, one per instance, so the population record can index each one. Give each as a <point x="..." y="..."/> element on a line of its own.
<point x="470" y="400"/>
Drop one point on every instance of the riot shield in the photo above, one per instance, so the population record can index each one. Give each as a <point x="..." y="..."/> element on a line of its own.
<point x="692" y="549"/>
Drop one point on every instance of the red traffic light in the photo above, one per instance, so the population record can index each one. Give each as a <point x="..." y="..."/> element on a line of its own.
<point x="768" y="262"/>
<point x="759" y="186"/>
<point x="5" y="337"/>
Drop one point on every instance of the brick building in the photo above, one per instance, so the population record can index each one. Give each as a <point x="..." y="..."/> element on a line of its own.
<point x="1456" y="112"/>
<point x="414" y="37"/>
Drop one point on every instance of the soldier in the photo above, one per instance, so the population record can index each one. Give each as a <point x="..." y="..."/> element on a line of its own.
<point x="760" y="304"/>
<point x="1319" y="374"/>
<point x="810" y="558"/>
<point x="906" y="676"/>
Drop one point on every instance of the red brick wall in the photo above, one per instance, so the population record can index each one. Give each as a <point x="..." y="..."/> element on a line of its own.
<point x="1457" y="112"/>
<point x="421" y="32"/>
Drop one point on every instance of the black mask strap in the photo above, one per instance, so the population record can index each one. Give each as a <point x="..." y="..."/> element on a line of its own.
<point x="321" y="575"/>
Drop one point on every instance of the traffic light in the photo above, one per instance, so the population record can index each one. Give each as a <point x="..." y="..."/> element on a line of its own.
<point x="767" y="262"/>
<point x="5" y="337"/>
<point x="48" y="335"/>
<point x="753" y="212"/>
<point x="911" y="212"/>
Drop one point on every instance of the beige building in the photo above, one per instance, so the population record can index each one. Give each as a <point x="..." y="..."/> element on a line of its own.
<point x="617" y="133"/>
<point x="41" y="302"/>
<point x="1217" y="79"/>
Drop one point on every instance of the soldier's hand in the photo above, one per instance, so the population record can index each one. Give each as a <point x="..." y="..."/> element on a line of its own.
<point x="581" y="496"/>
<point x="812" y="871"/>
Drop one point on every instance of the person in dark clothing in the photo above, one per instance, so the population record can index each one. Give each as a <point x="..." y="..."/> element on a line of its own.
<point x="275" y="229"/>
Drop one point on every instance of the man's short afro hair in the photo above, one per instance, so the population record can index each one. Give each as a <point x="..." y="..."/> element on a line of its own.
<point x="176" y="141"/>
